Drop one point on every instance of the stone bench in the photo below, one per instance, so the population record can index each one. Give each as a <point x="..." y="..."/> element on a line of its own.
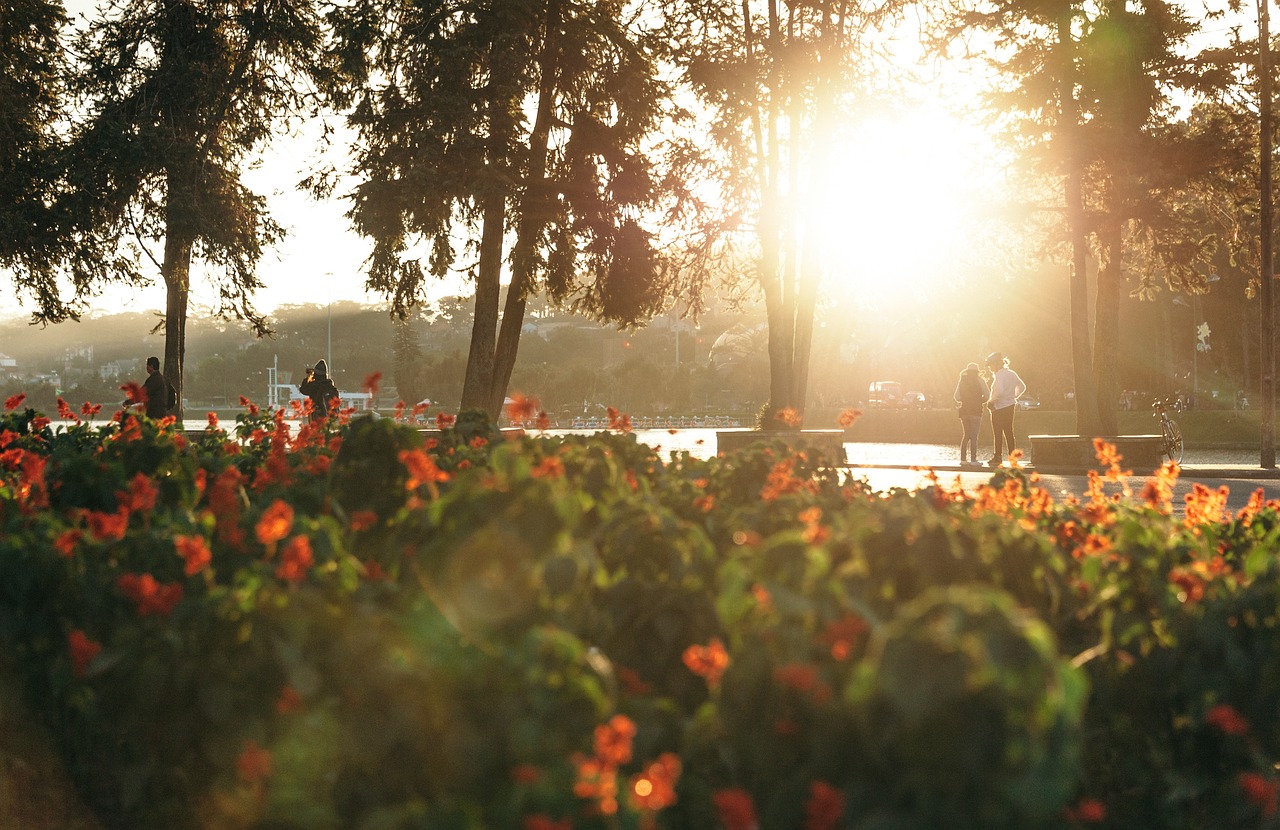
<point x="1071" y="453"/>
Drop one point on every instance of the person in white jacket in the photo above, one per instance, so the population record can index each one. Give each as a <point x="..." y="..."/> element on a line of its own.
<point x="1006" y="388"/>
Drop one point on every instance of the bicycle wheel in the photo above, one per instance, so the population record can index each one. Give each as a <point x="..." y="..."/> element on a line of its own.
<point x="1172" y="440"/>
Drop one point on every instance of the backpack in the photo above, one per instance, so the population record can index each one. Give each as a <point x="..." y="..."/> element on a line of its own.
<point x="171" y="395"/>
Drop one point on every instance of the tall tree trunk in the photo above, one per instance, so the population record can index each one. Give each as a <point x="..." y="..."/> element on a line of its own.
<point x="479" y="378"/>
<point x="1086" y="399"/>
<point x="532" y="217"/>
<point x="1106" y="335"/>
<point x="176" y="271"/>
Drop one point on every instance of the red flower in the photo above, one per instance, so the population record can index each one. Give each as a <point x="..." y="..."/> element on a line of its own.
<point x="141" y="495"/>
<point x="363" y="519"/>
<point x="65" y="412"/>
<point x="149" y="596"/>
<point x="133" y="393"/>
<point x="789" y="416"/>
<point x="14" y="401"/>
<point x="1261" y="792"/>
<point x="549" y="467"/>
<point x="1087" y="811"/>
<point x="194" y="551"/>
<point x="212" y="417"/>
<point x="371" y="382"/>
<point x="295" y="560"/>
<point x="90" y="409"/>
<point x="526" y="774"/>
<point x="842" y="636"/>
<point x="82" y="650"/>
<point x="66" y="542"/>
<point x="824" y="808"/>
<point x="709" y="661"/>
<point x="801" y="677"/>
<point x="736" y="809"/>
<point x="289" y="701"/>
<point x="275" y="523"/>
<point x="1225" y="717"/>
<point x="108" y="527"/>
<point x="254" y="763"/>
<point x="444" y="420"/>
<point x="541" y="821"/>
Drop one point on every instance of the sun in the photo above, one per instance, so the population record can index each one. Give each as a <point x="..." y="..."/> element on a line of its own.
<point x="907" y="199"/>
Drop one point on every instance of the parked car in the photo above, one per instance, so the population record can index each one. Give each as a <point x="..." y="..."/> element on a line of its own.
<point x="1029" y="402"/>
<point x="914" y="400"/>
<point x="883" y="394"/>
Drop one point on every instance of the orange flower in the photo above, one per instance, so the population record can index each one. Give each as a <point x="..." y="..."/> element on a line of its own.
<point x="620" y="421"/>
<point x="371" y="382"/>
<point x="422" y="469"/>
<point x="1225" y="718"/>
<point x="1190" y="583"/>
<point x="705" y="504"/>
<point x="295" y="560"/>
<point x="613" y="740"/>
<point x="275" y="523"/>
<point x="90" y="409"/>
<point x="1260" y="791"/>
<point x="849" y="417"/>
<point x="789" y="416"/>
<point x="597" y="781"/>
<point x="654" y="788"/>
<point x="824" y="808"/>
<point x="254" y="763"/>
<point x="842" y="636"/>
<point x="444" y="420"/>
<point x="709" y="661"/>
<point x="82" y="651"/>
<point x="736" y="809"/>
<point x="14" y="401"/>
<point x="194" y="551"/>
<point x="363" y="520"/>
<point x="521" y="408"/>
<point x="549" y="467"/>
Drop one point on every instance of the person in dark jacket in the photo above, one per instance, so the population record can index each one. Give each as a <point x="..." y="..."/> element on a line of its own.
<point x="971" y="394"/>
<point x="320" y="389"/>
<point x="156" y="390"/>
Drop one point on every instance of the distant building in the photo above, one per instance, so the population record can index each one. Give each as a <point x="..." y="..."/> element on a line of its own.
<point x="117" y="369"/>
<point x="8" y="365"/>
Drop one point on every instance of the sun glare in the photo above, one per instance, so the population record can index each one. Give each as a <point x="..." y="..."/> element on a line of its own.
<point x="907" y="195"/>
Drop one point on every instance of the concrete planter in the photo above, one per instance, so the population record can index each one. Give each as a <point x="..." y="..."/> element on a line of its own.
<point x="1071" y="453"/>
<point x="828" y="442"/>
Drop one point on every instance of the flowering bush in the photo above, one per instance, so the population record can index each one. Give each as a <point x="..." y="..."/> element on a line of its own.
<point x="351" y="624"/>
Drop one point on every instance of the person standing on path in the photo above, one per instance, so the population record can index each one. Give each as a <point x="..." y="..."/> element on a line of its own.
<point x="1006" y="388"/>
<point x="971" y="394"/>
<point x="158" y="394"/>
<point x="320" y="389"/>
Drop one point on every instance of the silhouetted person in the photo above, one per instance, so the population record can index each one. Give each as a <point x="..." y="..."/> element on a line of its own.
<point x="971" y="394"/>
<point x="157" y="391"/>
<point x="320" y="389"/>
<point x="1006" y="388"/>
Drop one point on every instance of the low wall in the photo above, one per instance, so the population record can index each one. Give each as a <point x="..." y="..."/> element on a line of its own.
<point x="829" y="442"/>
<point x="1206" y="429"/>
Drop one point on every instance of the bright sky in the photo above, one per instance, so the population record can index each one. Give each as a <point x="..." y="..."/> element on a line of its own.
<point x="904" y="187"/>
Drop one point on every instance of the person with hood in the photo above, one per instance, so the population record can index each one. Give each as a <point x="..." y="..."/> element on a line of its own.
<point x="971" y="394"/>
<point x="1006" y="388"/>
<point x="320" y="389"/>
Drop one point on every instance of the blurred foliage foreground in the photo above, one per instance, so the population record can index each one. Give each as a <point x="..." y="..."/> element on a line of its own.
<point x="353" y="626"/>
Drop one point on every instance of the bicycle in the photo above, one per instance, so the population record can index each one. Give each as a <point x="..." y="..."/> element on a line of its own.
<point x="1170" y="432"/>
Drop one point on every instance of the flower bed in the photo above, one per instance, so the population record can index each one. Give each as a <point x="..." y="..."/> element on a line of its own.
<point x="351" y="626"/>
